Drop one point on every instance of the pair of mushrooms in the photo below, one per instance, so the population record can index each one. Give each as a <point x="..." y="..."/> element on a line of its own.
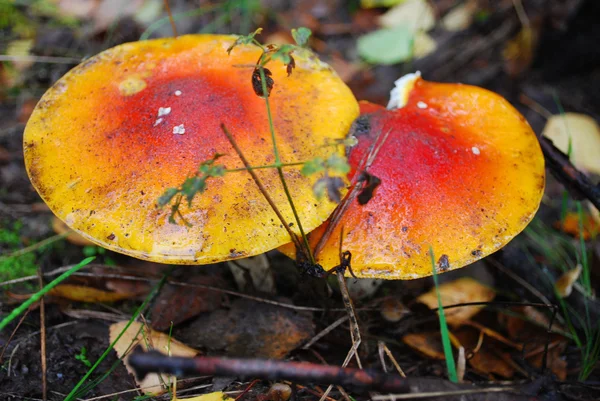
<point x="456" y="169"/>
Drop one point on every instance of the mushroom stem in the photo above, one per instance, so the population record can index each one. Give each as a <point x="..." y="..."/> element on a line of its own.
<point x="261" y="187"/>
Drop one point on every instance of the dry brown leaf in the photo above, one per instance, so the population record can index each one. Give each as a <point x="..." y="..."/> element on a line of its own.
<point x="60" y="228"/>
<point x="174" y="306"/>
<point x="485" y="354"/>
<point x="564" y="284"/>
<point x="80" y="293"/>
<point x="428" y="343"/>
<point x="138" y="334"/>
<point x="462" y="290"/>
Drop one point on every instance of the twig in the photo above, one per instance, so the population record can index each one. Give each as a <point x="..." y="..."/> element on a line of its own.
<point x="261" y="187"/>
<point x="302" y="372"/>
<point x="412" y="396"/>
<point x="384" y="349"/>
<point x="43" y="337"/>
<point x="574" y="180"/>
<point x="13" y="334"/>
<point x="324" y="332"/>
<point x="173" y="26"/>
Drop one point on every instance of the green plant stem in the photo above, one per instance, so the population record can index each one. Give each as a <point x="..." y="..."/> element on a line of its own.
<point x="260" y="186"/>
<point x="36" y="297"/>
<point x="37" y="245"/>
<point x="266" y="166"/>
<point x="137" y="312"/>
<point x="279" y="166"/>
<point x="450" y="363"/>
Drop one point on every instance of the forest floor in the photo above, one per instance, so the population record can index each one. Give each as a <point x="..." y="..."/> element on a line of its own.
<point x="542" y="56"/>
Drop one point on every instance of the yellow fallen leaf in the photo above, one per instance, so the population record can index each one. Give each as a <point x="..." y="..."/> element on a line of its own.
<point x="216" y="396"/>
<point x="460" y="17"/>
<point x="81" y="293"/>
<point x="415" y="15"/>
<point x="423" y="44"/>
<point x="584" y="134"/>
<point x="462" y="290"/>
<point x="378" y="3"/>
<point x="564" y="285"/>
<point x="138" y="334"/>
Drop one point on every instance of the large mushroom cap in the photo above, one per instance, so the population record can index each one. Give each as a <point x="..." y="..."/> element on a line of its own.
<point x="461" y="172"/>
<point x="112" y="135"/>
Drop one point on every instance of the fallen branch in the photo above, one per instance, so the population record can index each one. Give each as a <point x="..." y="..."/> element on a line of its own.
<point x="577" y="183"/>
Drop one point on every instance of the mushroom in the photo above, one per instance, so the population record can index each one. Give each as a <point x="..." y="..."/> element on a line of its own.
<point x="455" y="169"/>
<point x="107" y="140"/>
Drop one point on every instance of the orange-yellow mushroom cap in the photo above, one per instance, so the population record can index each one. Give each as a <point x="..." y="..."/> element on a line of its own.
<point x="107" y="140"/>
<point x="461" y="172"/>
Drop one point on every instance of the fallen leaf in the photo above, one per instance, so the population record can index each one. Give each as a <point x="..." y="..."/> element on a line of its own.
<point x="59" y="227"/>
<point x="392" y="309"/>
<point x="216" y="396"/>
<point x="582" y="133"/>
<point x="175" y="304"/>
<point x="485" y="354"/>
<point x="518" y="52"/>
<point x="460" y="17"/>
<point x="428" y="343"/>
<point x="462" y="290"/>
<point x="570" y="225"/>
<point x="423" y="44"/>
<point x="564" y="284"/>
<point x="80" y="293"/>
<point x="138" y="334"/>
<point x="386" y="46"/>
<point x="250" y="329"/>
<point x="413" y="15"/>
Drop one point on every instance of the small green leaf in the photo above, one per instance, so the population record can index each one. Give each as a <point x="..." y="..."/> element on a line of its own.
<point x="387" y="46"/>
<point x="301" y="35"/>
<point x="244" y="40"/>
<point x="192" y="186"/>
<point x="313" y="166"/>
<point x="167" y="196"/>
<point x="283" y="54"/>
<point x="338" y="164"/>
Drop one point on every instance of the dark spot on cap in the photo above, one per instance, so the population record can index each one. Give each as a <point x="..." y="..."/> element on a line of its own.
<point x="111" y="237"/>
<point x="361" y="126"/>
<point x="476" y="252"/>
<point x="443" y="263"/>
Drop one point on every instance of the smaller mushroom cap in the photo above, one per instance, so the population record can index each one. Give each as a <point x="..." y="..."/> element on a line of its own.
<point x="461" y="172"/>
<point x="107" y="140"/>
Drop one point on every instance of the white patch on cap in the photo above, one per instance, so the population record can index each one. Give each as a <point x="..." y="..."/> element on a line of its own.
<point x="164" y="111"/>
<point x="421" y="105"/>
<point x="158" y="121"/>
<point x="179" y="130"/>
<point x="177" y="93"/>
<point x="475" y="150"/>
<point x="399" y="95"/>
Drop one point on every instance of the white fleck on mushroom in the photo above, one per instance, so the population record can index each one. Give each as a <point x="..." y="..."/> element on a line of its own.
<point x="179" y="130"/>
<point x="421" y="105"/>
<point x="177" y="93"/>
<point x="164" y="111"/>
<point x="475" y="150"/>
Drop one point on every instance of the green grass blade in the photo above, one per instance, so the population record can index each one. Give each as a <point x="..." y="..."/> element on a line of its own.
<point x="445" y="333"/>
<point x="36" y="297"/>
<point x="138" y="311"/>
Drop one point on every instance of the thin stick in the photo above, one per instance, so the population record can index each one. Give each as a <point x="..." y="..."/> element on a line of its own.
<point x="384" y="349"/>
<point x="13" y="334"/>
<point x="43" y="338"/>
<point x="261" y="187"/>
<point x="432" y="394"/>
<point x="173" y="26"/>
<point x="268" y="369"/>
<point x="325" y="331"/>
